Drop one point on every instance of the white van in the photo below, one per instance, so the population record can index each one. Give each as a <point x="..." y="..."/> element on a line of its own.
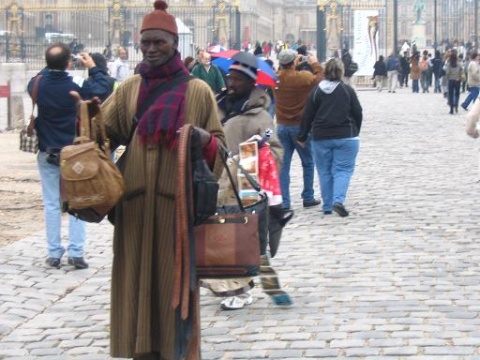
<point x="52" y="38"/>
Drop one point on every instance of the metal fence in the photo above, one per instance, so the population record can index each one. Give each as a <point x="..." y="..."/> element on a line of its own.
<point x="29" y="27"/>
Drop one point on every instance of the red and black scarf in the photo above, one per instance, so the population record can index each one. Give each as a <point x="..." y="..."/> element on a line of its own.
<point x="160" y="123"/>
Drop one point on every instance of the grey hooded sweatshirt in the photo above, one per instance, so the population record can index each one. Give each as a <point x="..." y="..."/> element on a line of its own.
<point x="332" y="112"/>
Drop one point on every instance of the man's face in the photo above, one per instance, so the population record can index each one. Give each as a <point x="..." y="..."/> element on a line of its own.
<point x="157" y="47"/>
<point x="205" y="58"/>
<point x="122" y="54"/>
<point x="238" y="85"/>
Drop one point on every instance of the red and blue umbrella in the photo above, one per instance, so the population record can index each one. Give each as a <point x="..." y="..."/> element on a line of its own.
<point x="265" y="74"/>
<point x="216" y="49"/>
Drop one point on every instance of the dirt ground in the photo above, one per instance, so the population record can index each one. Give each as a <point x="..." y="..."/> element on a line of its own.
<point x="21" y="208"/>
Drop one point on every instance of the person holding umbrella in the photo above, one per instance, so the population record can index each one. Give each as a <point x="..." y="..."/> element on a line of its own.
<point x="244" y="113"/>
<point x="265" y="74"/>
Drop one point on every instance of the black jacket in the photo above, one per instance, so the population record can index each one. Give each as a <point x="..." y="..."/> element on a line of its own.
<point x="337" y="115"/>
<point x="380" y="68"/>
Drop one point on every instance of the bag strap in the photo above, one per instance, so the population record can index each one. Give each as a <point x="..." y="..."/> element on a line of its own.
<point x="31" y="124"/>
<point x="35" y="94"/>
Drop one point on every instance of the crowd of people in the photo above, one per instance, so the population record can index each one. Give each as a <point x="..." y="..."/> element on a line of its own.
<point x="449" y="74"/>
<point x="312" y="110"/>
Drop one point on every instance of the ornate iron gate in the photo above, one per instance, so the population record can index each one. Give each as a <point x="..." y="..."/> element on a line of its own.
<point x="28" y="27"/>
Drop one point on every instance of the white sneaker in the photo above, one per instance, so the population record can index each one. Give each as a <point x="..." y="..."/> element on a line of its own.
<point x="236" y="302"/>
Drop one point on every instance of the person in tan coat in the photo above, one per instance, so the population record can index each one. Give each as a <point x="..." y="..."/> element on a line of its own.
<point x="291" y="95"/>
<point x="415" y="72"/>
<point x="146" y="322"/>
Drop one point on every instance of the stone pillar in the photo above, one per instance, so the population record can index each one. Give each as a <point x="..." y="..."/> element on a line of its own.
<point x="15" y="73"/>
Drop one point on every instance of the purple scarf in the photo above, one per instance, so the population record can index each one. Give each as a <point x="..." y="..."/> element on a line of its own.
<point x="159" y="124"/>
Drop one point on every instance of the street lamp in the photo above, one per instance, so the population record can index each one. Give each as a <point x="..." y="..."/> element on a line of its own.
<point x="435" y="25"/>
<point x="321" y="31"/>
<point x="395" y="27"/>
<point x="476" y="25"/>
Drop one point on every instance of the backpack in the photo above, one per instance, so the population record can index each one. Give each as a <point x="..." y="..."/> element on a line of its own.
<point x="423" y="65"/>
<point x="90" y="183"/>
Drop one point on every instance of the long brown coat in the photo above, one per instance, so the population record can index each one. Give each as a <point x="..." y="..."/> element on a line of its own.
<point x="414" y="70"/>
<point x="142" y="316"/>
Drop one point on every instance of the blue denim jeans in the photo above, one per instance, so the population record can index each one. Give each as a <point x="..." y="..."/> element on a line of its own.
<point x="415" y="88"/>
<point x="472" y="96"/>
<point x="453" y="92"/>
<point x="335" y="160"/>
<point x="287" y="134"/>
<point x="50" y="178"/>
<point x="438" y="87"/>
<point x="424" y="80"/>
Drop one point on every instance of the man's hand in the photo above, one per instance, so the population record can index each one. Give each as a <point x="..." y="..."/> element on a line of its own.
<point x="301" y="143"/>
<point x="312" y="59"/>
<point x="86" y="60"/>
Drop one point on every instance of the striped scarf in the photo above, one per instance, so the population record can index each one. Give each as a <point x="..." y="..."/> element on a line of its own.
<point x="160" y="123"/>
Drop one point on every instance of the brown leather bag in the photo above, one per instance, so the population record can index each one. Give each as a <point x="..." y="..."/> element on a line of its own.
<point x="91" y="184"/>
<point x="227" y="246"/>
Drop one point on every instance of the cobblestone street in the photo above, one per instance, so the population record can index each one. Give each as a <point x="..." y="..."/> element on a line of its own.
<point x="399" y="278"/>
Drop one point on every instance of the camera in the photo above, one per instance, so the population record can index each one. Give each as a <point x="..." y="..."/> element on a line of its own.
<point x="304" y="58"/>
<point x="53" y="156"/>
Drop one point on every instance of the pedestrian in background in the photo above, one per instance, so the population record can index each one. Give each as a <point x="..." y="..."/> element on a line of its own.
<point x="437" y="65"/>
<point x="454" y="75"/>
<point x="347" y="64"/>
<point x="334" y="117"/>
<point x="120" y="68"/>
<point x="446" y="60"/>
<point x="473" y="79"/>
<point x="393" y="65"/>
<point x="209" y="73"/>
<point x="189" y="62"/>
<point x="405" y="66"/>
<point x="303" y="63"/>
<point x="291" y="95"/>
<point x="380" y="73"/>
<point x="56" y="128"/>
<point x="415" y="72"/>
<point x="424" y="68"/>
<point x="146" y="317"/>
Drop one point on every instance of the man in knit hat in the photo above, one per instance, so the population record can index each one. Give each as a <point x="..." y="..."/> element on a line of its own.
<point x="291" y="94"/>
<point x="146" y="317"/>
<point x="243" y="113"/>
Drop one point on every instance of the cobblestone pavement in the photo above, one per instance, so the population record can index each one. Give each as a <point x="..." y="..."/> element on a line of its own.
<point x="399" y="278"/>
